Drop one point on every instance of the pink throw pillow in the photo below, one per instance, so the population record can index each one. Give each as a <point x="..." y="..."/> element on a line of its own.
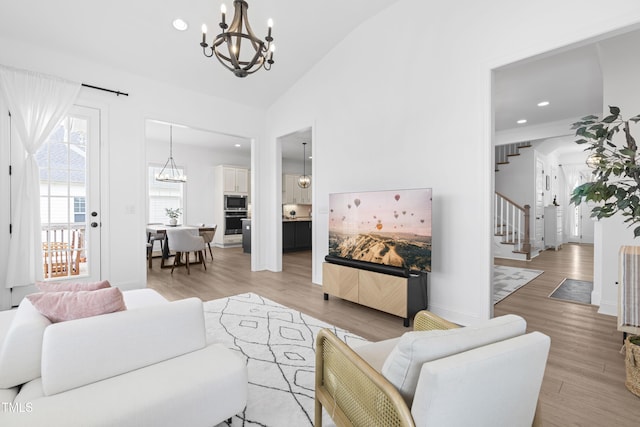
<point x="61" y="306"/>
<point x="68" y="286"/>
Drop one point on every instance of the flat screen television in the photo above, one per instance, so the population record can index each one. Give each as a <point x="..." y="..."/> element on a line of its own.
<point x="391" y="228"/>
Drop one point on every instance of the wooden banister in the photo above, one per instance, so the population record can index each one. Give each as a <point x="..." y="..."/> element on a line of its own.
<point x="512" y="222"/>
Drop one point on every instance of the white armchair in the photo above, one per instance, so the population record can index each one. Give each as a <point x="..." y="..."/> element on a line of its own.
<point x="488" y="374"/>
<point x="183" y="240"/>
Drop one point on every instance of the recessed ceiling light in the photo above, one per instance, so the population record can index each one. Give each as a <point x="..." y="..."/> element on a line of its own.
<point x="522" y="121"/>
<point x="543" y="103"/>
<point x="180" y="24"/>
<point x="238" y="145"/>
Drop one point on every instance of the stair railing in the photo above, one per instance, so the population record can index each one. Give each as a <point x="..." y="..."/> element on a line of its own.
<point x="512" y="222"/>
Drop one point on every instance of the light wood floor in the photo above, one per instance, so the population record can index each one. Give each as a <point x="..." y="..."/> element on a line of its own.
<point x="584" y="379"/>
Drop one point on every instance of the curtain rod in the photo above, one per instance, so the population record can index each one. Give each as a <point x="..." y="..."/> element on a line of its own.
<point x="117" y="92"/>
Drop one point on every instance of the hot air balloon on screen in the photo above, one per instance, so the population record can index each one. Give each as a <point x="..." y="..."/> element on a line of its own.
<point x="397" y="197"/>
<point x="356" y="202"/>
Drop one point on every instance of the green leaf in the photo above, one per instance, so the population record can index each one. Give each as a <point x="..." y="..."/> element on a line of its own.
<point x="627" y="152"/>
<point x="636" y="231"/>
<point x="614" y="110"/>
<point x="610" y="119"/>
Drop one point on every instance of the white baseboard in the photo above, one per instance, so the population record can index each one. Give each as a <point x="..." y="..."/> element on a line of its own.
<point x="608" y="308"/>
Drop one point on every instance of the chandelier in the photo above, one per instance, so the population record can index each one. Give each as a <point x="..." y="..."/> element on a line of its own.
<point x="304" y="180"/>
<point x="227" y="46"/>
<point x="170" y="172"/>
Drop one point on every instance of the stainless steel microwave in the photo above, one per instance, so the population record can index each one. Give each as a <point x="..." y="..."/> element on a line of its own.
<point x="235" y="203"/>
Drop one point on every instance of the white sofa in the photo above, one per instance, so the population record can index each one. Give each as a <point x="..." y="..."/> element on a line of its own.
<point x="147" y="366"/>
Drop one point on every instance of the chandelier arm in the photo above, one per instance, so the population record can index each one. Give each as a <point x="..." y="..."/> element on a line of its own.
<point x="204" y="51"/>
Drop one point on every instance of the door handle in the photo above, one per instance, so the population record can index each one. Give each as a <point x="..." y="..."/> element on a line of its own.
<point x="94" y="213"/>
<point x="94" y="224"/>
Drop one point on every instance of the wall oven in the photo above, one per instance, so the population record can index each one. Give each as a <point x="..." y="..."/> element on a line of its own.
<point x="235" y="203"/>
<point x="233" y="221"/>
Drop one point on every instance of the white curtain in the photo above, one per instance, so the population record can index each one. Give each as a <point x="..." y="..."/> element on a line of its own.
<point x="37" y="103"/>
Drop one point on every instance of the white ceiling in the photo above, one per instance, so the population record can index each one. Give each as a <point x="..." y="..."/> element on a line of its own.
<point x="137" y="36"/>
<point x="291" y="144"/>
<point x="570" y="81"/>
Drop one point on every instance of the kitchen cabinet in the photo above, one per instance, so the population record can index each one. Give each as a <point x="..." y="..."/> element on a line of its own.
<point x="246" y="236"/>
<point x="235" y="180"/>
<point x="227" y="180"/>
<point x="296" y="235"/>
<point x="292" y="193"/>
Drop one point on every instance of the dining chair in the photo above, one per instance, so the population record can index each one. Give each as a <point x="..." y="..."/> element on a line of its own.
<point x="208" y="234"/>
<point x="155" y="235"/>
<point x="183" y="241"/>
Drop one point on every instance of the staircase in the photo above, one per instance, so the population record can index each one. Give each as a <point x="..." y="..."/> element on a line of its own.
<point x="503" y="152"/>
<point x="511" y="223"/>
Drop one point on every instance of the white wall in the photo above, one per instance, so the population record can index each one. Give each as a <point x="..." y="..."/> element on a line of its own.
<point x="619" y="71"/>
<point x="390" y="114"/>
<point x="123" y="213"/>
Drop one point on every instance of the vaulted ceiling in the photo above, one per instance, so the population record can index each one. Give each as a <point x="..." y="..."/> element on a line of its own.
<point x="138" y="36"/>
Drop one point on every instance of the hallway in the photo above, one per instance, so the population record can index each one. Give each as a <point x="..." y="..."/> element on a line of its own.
<point x="584" y="379"/>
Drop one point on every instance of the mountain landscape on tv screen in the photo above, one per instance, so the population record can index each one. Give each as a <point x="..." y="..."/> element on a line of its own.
<point x="406" y="251"/>
<point x="384" y="227"/>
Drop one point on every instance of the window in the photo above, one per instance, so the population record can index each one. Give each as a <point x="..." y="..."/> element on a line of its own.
<point x="79" y="209"/>
<point x="163" y="195"/>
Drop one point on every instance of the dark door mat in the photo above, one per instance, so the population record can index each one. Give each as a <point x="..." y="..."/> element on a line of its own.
<point x="574" y="291"/>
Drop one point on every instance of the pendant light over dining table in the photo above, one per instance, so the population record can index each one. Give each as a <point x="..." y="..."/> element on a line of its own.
<point x="227" y="46"/>
<point x="170" y="172"/>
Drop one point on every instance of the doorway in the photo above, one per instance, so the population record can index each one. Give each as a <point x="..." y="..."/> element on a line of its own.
<point x="70" y="199"/>
<point x="212" y="162"/>
<point x="535" y="101"/>
<point x="297" y="194"/>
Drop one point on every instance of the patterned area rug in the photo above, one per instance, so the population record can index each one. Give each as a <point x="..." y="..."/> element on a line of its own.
<point x="507" y="280"/>
<point x="574" y="291"/>
<point x="279" y="346"/>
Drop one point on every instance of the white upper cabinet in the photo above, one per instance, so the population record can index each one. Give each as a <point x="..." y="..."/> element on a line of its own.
<point x="235" y="180"/>
<point x="292" y="193"/>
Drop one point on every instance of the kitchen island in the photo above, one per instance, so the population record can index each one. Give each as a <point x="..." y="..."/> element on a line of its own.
<point x="296" y="234"/>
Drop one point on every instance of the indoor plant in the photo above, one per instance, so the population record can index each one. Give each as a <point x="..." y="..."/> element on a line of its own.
<point x="615" y="185"/>
<point x="173" y="215"/>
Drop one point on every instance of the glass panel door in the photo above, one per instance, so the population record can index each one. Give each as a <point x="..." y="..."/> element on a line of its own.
<point x="69" y="197"/>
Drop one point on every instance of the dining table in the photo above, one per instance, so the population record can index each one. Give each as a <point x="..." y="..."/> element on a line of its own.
<point x="155" y="229"/>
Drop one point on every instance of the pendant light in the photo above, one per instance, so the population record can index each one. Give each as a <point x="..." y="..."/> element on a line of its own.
<point x="170" y="172"/>
<point x="304" y="181"/>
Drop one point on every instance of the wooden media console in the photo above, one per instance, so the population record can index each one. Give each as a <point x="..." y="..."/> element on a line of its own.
<point x="398" y="295"/>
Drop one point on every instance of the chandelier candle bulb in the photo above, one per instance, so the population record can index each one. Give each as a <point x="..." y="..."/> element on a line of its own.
<point x="204" y="35"/>
<point x="270" y="25"/>
<point x="223" y="10"/>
